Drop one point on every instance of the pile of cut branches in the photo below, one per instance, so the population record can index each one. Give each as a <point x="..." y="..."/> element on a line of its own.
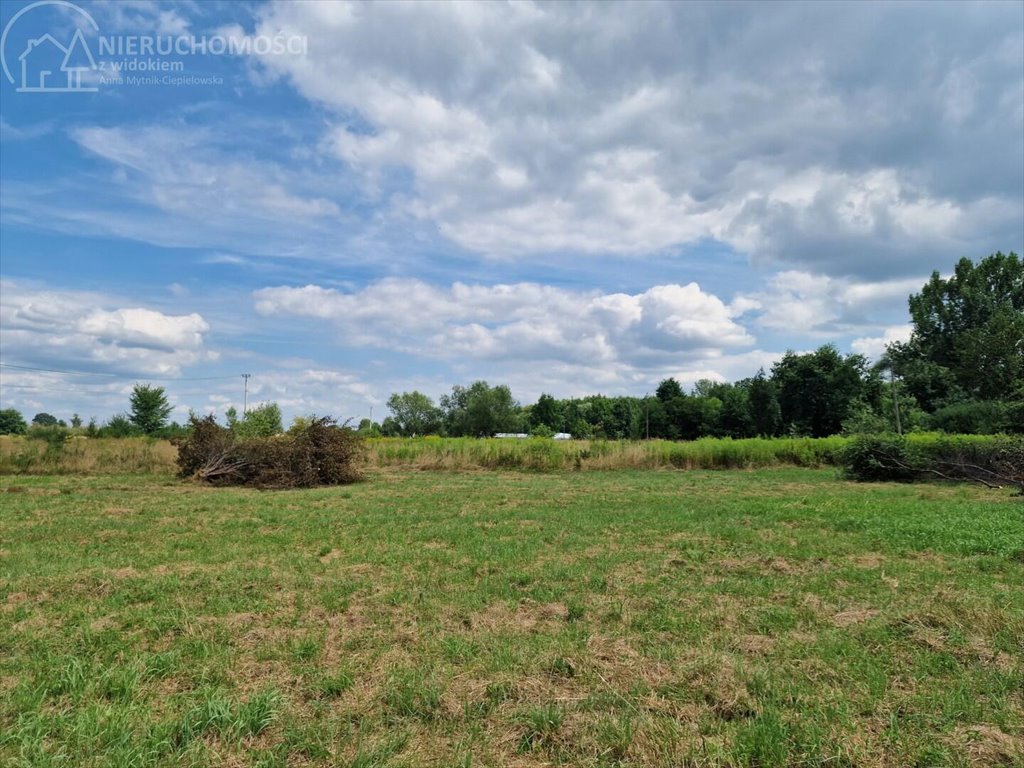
<point x="320" y="452"/>
<point x="995" y="463"/>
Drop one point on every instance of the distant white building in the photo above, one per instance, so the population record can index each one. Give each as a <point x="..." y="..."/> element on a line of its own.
<point x="519" y="435"/>
<point x="562" y="436"/>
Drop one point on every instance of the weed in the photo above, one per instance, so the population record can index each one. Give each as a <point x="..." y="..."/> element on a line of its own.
<point x="540" y="727"/>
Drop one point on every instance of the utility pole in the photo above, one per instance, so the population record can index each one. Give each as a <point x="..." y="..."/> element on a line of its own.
<point x="245" y="393"/>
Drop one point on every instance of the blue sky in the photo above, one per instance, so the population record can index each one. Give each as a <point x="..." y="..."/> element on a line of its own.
<point x="565" y="198"/>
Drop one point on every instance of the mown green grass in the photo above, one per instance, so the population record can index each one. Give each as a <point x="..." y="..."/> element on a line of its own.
<point x="766" y="618"/>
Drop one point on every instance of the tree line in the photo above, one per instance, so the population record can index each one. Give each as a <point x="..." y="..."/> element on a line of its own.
<point x="961" y="371"/>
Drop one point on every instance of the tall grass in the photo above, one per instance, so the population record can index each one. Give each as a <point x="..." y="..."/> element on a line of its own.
<point x="19" y="455"/>
<point x="540" y="454"/>
<point x="86" y="456"/>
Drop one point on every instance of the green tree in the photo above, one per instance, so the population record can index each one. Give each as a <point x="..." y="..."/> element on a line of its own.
<point x="967" y="334"/>
<point x="736" y="419"/>
<point x="76" y="421"/>
<point x="44" y="420"/>
<point x="765" y="413"/>
<point x="12" y="422"/>
<point x="548" y="413"/>
<point x="149" y="408"/>
<point x="819" y="391"/>
<point x="263" y="420"/>
<point x="369" y="428"/>
<point x="480" y="410"/>
<point x="668" y="390"/>
<point x="414" y="413"/>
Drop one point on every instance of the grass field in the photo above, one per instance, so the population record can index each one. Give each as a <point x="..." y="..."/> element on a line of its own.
<point x="137" y="455"/>
<point x="752" y="618"/>
<point x="76" y="456"/>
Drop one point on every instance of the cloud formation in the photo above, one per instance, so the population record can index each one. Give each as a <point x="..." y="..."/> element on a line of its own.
<point x="81" y="330"/>
<point x="847" y="139"/>
<point x="524" y="322"/>
<point x="809" y="303"/>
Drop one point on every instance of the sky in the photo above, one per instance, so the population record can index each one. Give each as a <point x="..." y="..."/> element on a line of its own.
<point x="347" y="200"/>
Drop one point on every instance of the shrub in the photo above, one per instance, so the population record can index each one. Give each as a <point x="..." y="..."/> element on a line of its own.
<point x="53" y="435"/>
<point x="262" y="420"/>
<point x="319" y="452"/>
<point x="119" y="426"/>
<point x="877" y="457"/>
<point x="972" y="418"/>
<point x="12" y="422"/>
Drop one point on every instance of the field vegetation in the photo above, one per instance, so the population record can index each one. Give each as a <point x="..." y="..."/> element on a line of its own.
<point x="20" y="455"/>
<point x="773" y="617"/>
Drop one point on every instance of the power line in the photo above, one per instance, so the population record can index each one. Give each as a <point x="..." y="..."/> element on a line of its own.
<point x="48" y="385"/>
<point x="114" y="387"/>
<point x="53" y="370"/>
<point x="118" y="376"/>
<point x="76" y="391"/>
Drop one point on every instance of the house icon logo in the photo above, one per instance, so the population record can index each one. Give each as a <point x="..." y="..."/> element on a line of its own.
<point x="47" y="65"/>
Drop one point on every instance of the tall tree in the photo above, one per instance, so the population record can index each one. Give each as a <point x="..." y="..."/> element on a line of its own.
<point x="968" y="332"/>
<point x="820" y="390"/>
<point x="668" y="390"/>
<point x="149" y="408"/>
<point x="765" y="412"/>
<point x="736" y="419"/>
<point x="480" y="410"/>
<point x="44" y="419"/>
<point x="547" y="412"/>
<point x="414" y="413"/>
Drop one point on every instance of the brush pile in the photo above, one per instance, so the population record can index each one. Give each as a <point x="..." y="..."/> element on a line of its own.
<point x="993" y="461"/>
<point x="319" y="452"/>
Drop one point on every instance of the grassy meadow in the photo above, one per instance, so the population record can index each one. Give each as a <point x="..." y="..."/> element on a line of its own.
<point x="19" y="455"/>
<point x="769" y="617"/>
<point x="79" y="455"/>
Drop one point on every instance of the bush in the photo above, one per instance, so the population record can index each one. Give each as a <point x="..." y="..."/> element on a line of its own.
<point x="319" y="452"/>
<point x="263" y="420"/>
<point x="972" y="418"/>
<point x="12" y="422"/>
<point x="877" y="457"/>
<point x="119" y="426"/>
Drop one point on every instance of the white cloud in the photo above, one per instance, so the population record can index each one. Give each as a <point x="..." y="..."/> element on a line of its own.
<point x="80" y="330"/>
<point x="805" y="303"/>
<point x="524" y="322"/>
<point x="873" y="347"/>
<point x="307" y="390"/>
<point x="138" y="327"/>
<point x="226" y="189"/>
<point x="185" y="172"/>
<point x="143" y="17"/>
<point x="540" y="129"/>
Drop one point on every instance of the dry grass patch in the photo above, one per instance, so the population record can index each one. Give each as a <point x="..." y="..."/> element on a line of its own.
<point x="989" y="746"/>
<point x="854" y="616"/>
